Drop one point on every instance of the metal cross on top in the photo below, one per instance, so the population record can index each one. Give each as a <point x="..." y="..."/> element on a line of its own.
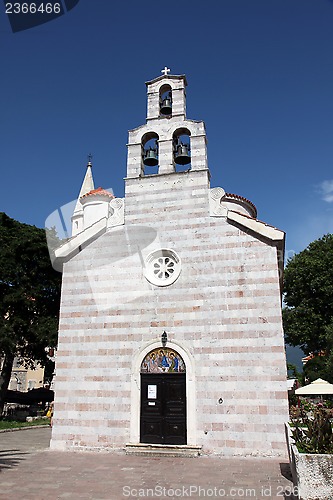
<point x="165" y="71"/>
<point x="90" y="156"/>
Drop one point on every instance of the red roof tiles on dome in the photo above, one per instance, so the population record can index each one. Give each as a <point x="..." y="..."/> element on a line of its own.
<point x="238" y="197"/>
<point x="98" y="192"/>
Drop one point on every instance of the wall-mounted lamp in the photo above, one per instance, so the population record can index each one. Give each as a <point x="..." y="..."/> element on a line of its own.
<point x="164" y="338"/>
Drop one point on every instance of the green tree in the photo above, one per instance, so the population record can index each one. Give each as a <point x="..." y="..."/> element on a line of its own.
<point x="294" y="373"/>
<point x="328" y="373"/>
<point x="29" y="297"/>
<point x="315" y="368"/>
<point x="308" y="295"/>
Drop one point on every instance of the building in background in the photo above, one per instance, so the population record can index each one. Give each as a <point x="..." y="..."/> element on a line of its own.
<point x="24" y="378"/>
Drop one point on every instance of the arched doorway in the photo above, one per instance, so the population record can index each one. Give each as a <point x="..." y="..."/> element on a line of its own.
<point x="163" y="398"/>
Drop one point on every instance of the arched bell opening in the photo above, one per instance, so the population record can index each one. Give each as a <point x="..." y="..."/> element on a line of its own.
<point x="182" y="149"/>
<point x="150" y="153"/>
<point x="165" y="100"/>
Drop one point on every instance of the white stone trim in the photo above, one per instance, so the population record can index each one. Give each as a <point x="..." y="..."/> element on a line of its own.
<point x="270" y="232"/>
<point x="136" y="390"/>
<point x="86" y="236"/>
<point x="215" y="207"/>
<point x="115" y="218"/>
<point x="116" y="212"/>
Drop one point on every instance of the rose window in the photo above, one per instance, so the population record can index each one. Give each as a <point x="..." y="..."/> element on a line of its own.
<point x="162" y="267"/>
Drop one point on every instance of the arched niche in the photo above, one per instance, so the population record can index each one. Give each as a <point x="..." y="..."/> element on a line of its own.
<point x="181" y="141"/>
<point x="165" y="100"/>
<point x="150" y="151"/>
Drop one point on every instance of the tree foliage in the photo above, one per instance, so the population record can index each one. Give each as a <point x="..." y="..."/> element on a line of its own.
<point x="294" y="373"/>
<point x="308" y="295"/>
<point x="29" y="296"/>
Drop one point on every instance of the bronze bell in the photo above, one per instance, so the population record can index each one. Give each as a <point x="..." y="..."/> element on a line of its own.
<point x="150" y="157"/>
<point x="182" y="154"/>
<point x="166" y="106"/>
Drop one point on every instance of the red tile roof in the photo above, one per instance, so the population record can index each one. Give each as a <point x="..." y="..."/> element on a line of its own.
<point x="241" y="198"/>
<point x="98" y="192"/>
<point x="312" y="355"/>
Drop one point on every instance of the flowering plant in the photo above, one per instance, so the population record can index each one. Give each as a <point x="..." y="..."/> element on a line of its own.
<point x="313" y="434"/>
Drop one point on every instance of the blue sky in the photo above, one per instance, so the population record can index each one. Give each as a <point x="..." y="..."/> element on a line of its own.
<point x="260" y="75"/>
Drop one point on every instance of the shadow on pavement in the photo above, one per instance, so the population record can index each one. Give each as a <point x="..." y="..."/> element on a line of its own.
<point x="11" y="458"/>
<point x="286" y="471"/>
<point x="288" y="490"/>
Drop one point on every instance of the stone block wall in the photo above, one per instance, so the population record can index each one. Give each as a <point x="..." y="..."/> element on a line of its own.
<point x="224" y="310"/>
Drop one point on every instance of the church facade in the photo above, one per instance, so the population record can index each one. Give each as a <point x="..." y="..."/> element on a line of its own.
<point x="170" y="329"/>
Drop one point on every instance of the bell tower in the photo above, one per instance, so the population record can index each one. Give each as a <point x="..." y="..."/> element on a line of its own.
<point x="166" y="96"/>
<point x="168" y="143"/>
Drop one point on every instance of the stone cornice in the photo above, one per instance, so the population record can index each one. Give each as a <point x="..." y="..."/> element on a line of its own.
<point x="269" y="232"/>
<point x="73" y="246"/>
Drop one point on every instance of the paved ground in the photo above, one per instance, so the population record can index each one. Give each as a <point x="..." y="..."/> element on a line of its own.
<point x="29" y="471"/>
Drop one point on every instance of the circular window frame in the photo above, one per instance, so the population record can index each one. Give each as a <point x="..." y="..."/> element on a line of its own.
<point x="163" y="267"/>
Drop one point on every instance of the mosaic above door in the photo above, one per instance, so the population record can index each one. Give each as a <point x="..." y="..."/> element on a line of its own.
<point x="163" y="360"/>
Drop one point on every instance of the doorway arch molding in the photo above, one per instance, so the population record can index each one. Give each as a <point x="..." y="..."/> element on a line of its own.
<point x="136" y="389"/>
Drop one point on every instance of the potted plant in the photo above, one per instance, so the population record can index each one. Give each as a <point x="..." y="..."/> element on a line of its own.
<point x="310" y="445"/>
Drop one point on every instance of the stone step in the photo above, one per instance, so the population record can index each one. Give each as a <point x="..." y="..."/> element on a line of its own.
<point x="162" y="450"/>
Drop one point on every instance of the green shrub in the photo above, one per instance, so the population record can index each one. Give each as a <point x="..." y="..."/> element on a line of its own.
<point x="15" y="424"/>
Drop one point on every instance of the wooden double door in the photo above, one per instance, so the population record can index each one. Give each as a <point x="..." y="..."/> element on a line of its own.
<point x="163" y="408"/>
